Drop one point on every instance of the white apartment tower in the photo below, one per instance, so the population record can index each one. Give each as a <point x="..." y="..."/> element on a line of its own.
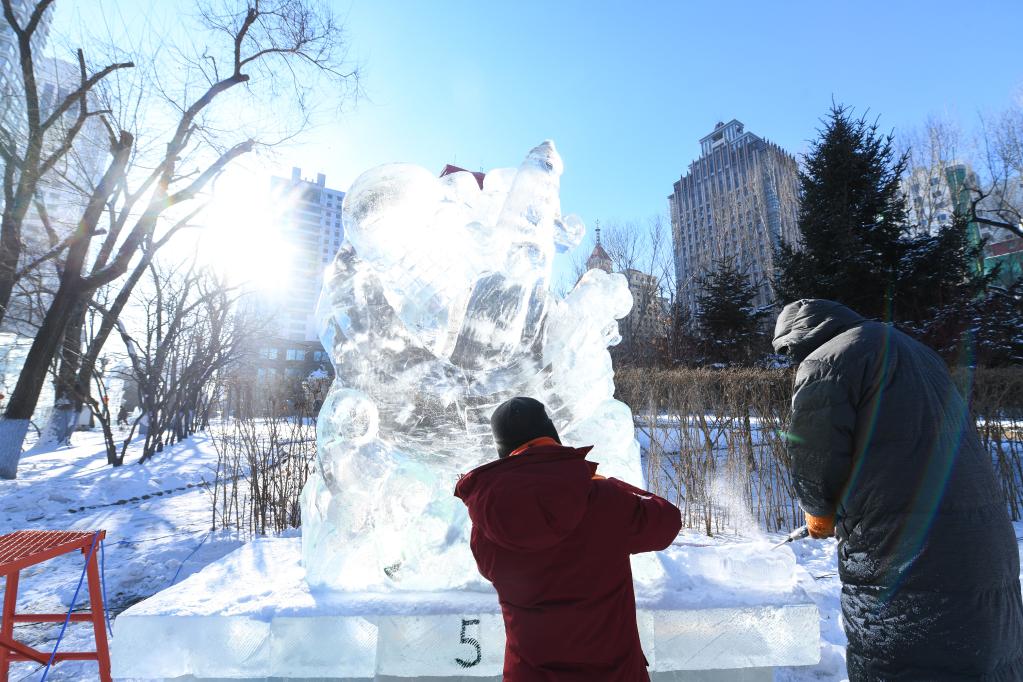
<point x="738" y="200"/>
<point x="11" y="111"/>
<point x="930" y="204"/>
<point x="309" y="219"/>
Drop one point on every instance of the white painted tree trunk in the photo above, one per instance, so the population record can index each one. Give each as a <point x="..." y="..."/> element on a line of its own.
<point x="60" y="424"/>
<point x="12" y="435"/>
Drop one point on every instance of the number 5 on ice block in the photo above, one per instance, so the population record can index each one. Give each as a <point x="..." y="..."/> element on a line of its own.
<point x="441" y="645"/>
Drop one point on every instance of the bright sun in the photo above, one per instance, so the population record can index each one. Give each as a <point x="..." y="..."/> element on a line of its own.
<point x="241" y="240"/>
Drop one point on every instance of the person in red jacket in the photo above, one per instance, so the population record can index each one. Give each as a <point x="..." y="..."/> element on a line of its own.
<point x="554" y="538"/>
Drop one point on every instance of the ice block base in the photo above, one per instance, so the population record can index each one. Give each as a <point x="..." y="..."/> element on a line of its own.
<point x="252" y="615"/>
<point x="740" y="675"/>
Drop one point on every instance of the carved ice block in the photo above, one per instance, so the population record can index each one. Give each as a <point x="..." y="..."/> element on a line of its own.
<point x="252" y="615"/>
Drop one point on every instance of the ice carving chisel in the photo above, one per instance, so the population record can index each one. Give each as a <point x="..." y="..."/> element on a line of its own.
<point x="797" y="534"/>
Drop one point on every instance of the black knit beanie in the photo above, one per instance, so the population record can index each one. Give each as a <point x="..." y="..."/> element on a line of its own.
<point x="518" y="421"/>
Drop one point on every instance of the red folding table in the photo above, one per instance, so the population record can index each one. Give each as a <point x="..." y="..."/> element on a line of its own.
<point x="29" y="547"/>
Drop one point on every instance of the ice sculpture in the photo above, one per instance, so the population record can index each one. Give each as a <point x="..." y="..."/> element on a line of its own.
<point x="438" y="308"/>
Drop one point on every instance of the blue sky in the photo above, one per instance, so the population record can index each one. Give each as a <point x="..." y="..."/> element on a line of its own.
<point x="627" y="89"/>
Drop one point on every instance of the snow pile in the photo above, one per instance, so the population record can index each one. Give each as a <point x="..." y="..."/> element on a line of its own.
<point x="157" y="519"/>
<point x="436" y="310"/>
<point x="747" y="572"/>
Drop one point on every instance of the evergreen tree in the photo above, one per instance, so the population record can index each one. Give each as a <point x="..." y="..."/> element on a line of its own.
<point x="851" y="220"/>
<point x="730" y="327"/>
<point x="679" y="345"/>
<point x="940" y="272"/>
<point x="951" y="304"/>
<point x="996" y="337"/>
<point x="859" y="249"/>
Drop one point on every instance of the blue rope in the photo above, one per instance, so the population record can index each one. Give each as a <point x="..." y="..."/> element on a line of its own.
<point x="67" y="618"/>
<point x="181" y="565"/>
<point x="103" y="583"/>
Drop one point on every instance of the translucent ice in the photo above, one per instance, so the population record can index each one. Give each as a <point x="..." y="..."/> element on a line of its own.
<point x="252" y="614"/>
<point x="437" y="309"/>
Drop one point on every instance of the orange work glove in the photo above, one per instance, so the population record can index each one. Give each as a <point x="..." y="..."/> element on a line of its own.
<point x="820" y="526"/>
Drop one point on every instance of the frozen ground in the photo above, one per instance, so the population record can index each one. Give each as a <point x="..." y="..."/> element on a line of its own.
<point x="150" y="540"/>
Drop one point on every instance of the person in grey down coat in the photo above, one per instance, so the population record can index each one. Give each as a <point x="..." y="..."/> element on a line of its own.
<point x="884" y="455"/>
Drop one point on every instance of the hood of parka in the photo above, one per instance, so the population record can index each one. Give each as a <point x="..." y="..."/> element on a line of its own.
<point x="531" y="501"/>
<point x="805" y="325"/>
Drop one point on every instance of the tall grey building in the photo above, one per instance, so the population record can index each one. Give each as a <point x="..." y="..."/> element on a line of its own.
<point x="309" y="220"/>
<point x="81" y="167"/>
<point x="307" y="215"/>
<point x="736" y="202"/>
<point x="65" y="190"/>
<point x="11" y="112"/>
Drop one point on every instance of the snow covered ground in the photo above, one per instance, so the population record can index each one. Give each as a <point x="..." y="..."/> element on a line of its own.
<point x="157" y="519"/>
<point x="155" y="524"/>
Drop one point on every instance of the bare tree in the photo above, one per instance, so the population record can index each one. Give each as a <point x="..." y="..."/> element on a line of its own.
<point x="642" y="254"/>
<point x="153" y="185"/>
<point x="33" y="143"/>
<point x="193" y="332"/>
<point x="993" y="161"/>
<point x="999" y="204"/>
<point x="931" y="152"/>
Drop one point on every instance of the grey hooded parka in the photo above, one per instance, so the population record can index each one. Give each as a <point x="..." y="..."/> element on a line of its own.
<point x="928" y="559"/>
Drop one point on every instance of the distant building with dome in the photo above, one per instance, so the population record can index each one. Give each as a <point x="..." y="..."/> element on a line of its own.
<point x="647" y="320"/>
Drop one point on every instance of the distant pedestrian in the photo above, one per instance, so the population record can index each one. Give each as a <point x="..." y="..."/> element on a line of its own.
<point x="885" y="455"/>
<point x="122" y="415"/>
<point x="554" y="538"/>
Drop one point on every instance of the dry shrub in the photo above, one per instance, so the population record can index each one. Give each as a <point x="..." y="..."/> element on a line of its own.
<point x="997" y="403"/>
<point x="716" y="444"/>
<point x="262" y="464"/>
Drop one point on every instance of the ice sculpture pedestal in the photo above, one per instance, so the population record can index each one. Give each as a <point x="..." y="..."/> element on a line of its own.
<point x="252" y="615"/>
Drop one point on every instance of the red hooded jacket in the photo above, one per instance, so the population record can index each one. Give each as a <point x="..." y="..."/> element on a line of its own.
<point x="555" y="541"/>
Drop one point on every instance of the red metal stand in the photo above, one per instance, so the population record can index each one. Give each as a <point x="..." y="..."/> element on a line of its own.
<point x="27" y="548"/>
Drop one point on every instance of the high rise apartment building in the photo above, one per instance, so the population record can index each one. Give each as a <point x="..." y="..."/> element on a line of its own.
<point x="66" y="189"/>
<point x="309" y="219"/>
<point x="932" y="194"/>
<point x="11" y="111"/>
<point x="738" y="200"/>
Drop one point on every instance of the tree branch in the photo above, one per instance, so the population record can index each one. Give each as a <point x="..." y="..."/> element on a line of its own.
<point x="211" y="172"/>
<point x="80" y="94"/>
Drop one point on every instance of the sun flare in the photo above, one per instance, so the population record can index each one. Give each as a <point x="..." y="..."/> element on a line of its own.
<point x="242" y="239"/>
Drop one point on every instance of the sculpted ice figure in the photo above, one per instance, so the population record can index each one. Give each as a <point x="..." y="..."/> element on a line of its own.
<point x="437" y="309"/>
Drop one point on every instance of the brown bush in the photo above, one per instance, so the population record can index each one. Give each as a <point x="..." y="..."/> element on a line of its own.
<point x="997" y="402"/>
<point x="717" y="447"/>
<point x="262" y="465"/>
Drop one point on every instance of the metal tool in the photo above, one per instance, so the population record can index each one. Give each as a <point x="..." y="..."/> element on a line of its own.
<point x="797" y="534"/>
